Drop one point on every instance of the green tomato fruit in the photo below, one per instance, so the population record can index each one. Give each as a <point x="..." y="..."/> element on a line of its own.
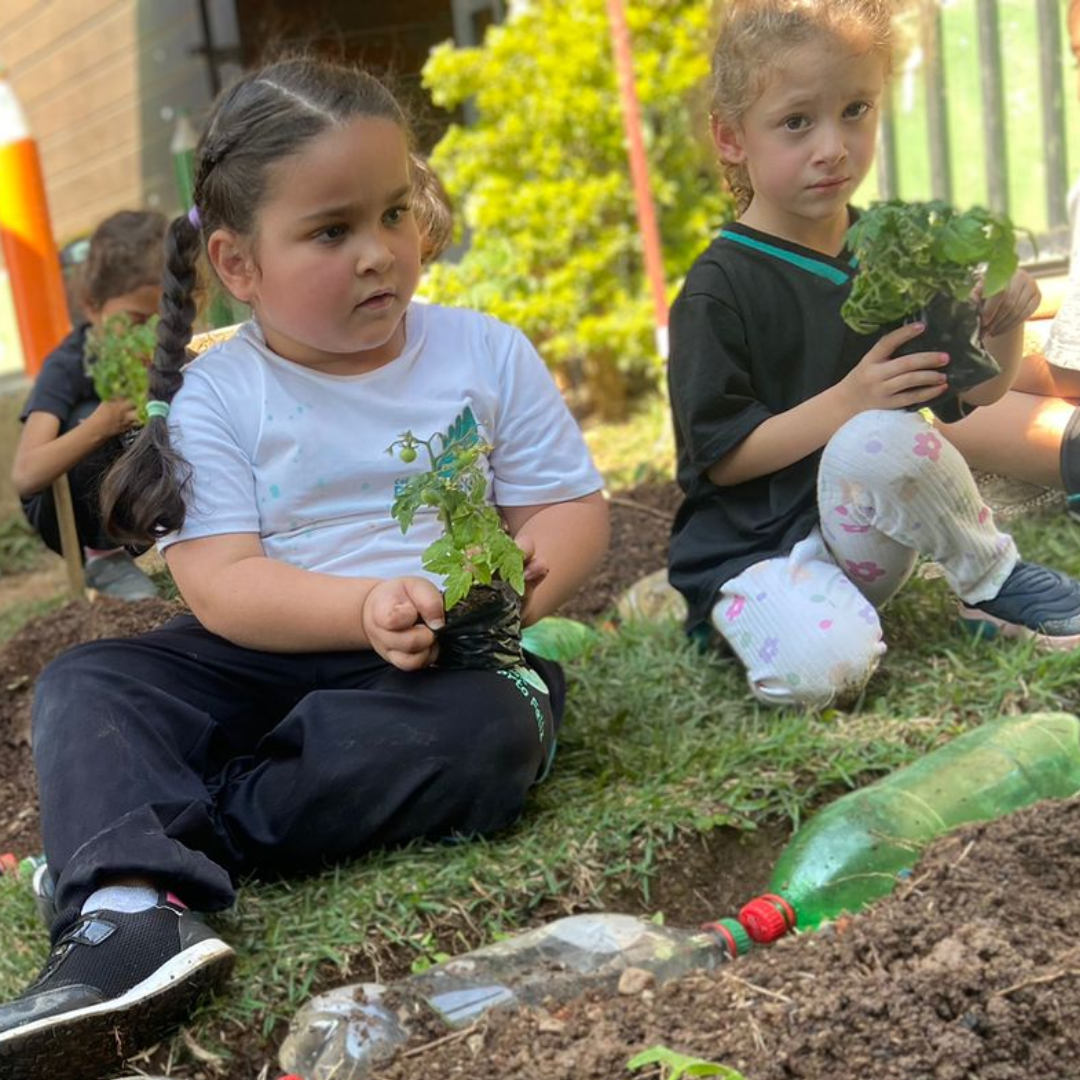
<point x="408" y="454"/>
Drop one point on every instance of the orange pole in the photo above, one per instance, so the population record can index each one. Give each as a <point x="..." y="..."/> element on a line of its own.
<point x="26" y="238"/>
<point x="639" y="169"/>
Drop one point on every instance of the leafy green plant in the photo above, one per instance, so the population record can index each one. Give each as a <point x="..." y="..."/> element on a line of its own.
<point x="118" y="356"/>
<point x="475" y="547"/>
<point x="20" y="546"/>
<point x="429" y="954"/>
<point x="909" y="252"/>
<point x="674" y="1065"/>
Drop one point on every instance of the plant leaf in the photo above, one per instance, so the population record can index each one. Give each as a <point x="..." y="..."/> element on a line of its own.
<point x="676" y="1065"/>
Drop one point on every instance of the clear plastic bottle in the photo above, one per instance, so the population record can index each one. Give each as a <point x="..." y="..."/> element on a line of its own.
<point x="343" y="1034"/>
<point x="851" y="852"/>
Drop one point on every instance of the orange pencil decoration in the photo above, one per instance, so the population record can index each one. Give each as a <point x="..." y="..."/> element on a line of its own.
<point x="26" y="238"/>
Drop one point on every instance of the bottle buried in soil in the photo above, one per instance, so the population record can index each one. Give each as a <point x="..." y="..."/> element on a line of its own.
<point x="559" y="639"/>
<point x="347" y="1032"/>
<point x="851" y="852"/>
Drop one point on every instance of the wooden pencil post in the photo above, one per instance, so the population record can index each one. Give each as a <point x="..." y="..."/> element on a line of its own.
<point x="69" y="536"/>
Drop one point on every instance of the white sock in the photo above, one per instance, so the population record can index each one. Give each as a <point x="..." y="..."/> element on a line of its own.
<point x="121" y="898"/>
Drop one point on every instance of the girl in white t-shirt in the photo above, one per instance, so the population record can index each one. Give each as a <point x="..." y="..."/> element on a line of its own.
<point x="299" y="715"/>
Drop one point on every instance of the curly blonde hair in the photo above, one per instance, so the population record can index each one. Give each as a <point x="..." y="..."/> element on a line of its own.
<point x="754" y="37"/>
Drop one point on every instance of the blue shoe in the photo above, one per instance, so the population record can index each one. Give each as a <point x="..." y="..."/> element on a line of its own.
<point x="1035" y="602"/>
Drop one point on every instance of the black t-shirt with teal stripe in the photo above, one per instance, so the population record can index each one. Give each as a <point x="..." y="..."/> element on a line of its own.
<point x="755" y="331"/>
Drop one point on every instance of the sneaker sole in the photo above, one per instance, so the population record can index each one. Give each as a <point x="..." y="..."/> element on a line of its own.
<point x="93" y="1042"/>
<point x="979" y="622"/>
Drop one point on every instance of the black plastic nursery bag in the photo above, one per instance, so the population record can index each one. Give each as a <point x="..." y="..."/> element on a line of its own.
<point x="952" y="326"/>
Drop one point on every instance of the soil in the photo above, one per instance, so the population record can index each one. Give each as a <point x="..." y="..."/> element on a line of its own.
<point x="969" y="972"/>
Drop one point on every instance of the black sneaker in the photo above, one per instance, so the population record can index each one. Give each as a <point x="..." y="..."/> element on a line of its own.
<point x="1035" y="602"/>
<point x="114" y="984"/>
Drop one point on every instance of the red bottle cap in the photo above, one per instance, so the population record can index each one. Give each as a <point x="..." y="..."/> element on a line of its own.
<point x="767" y="918"/>
<point x="8" y="863"/>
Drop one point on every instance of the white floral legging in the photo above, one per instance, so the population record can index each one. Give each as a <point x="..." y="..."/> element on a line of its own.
<point x="890" y="488"/>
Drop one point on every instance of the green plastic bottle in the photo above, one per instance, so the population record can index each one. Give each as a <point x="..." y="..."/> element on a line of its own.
<point x="851" y="852"/>
<point x="560" y="639"/>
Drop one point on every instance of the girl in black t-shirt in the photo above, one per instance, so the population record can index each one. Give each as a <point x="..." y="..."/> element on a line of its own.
<point x="812" y="481"/>
<point x="66" y="427"/>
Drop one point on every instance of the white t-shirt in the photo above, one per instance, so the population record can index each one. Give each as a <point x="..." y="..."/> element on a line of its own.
<point x="300" y="457"/>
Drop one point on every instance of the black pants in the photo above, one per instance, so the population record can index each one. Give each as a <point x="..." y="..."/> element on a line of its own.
<point x="85" y="481"/>
<point x="182" y="758"/>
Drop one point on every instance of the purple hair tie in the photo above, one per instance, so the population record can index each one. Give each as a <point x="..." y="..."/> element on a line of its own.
<point x="193" y="217"/>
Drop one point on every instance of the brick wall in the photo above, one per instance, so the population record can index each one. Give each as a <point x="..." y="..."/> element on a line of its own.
<point x="100" y="81"/>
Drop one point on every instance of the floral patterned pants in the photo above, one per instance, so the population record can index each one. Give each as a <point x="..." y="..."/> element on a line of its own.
<point x="890" y="488"/>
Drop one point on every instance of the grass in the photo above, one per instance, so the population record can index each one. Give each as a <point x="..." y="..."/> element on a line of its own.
<point x="660" y="743"/>
<point x="20" y="547"/>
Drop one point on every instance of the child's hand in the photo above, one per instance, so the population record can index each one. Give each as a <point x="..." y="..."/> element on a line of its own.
<point x="536" y="569"/>
<point x="114" y="417"/>
<point x="883" y="381"/>
<point x="400" y="617"/>
<point x="1015" y="304"/>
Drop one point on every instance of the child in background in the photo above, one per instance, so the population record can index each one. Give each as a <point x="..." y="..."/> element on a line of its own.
<point x="66" y="427"/>
<point x="812" y="482"/>
<point x="296" y="718"/>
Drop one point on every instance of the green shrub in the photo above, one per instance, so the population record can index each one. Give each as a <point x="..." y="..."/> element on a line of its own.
<point x="541" y="177"/>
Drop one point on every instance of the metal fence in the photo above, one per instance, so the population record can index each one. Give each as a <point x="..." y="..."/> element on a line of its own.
<point x="1049" y="21"/>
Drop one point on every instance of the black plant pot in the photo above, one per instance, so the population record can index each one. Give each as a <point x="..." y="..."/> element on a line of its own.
<point x="952" y="326"/>
<point x="483" y="630"/>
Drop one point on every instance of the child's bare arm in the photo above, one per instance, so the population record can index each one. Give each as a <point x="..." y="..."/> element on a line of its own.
<point x="236" y="591"/>
<point x="43" y="453"/>
<point x="878" y="381"/>
<point x="568" y="539"/>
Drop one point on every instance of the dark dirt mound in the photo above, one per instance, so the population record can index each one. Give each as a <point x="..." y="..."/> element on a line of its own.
<point x="640" y="523"/>
<point x="970" y="971"/>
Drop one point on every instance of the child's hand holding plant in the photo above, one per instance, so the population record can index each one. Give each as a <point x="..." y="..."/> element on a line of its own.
<point x="1011" y="307"/>
<point x="400" y="618"/>
<point x="954" y="273"/>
